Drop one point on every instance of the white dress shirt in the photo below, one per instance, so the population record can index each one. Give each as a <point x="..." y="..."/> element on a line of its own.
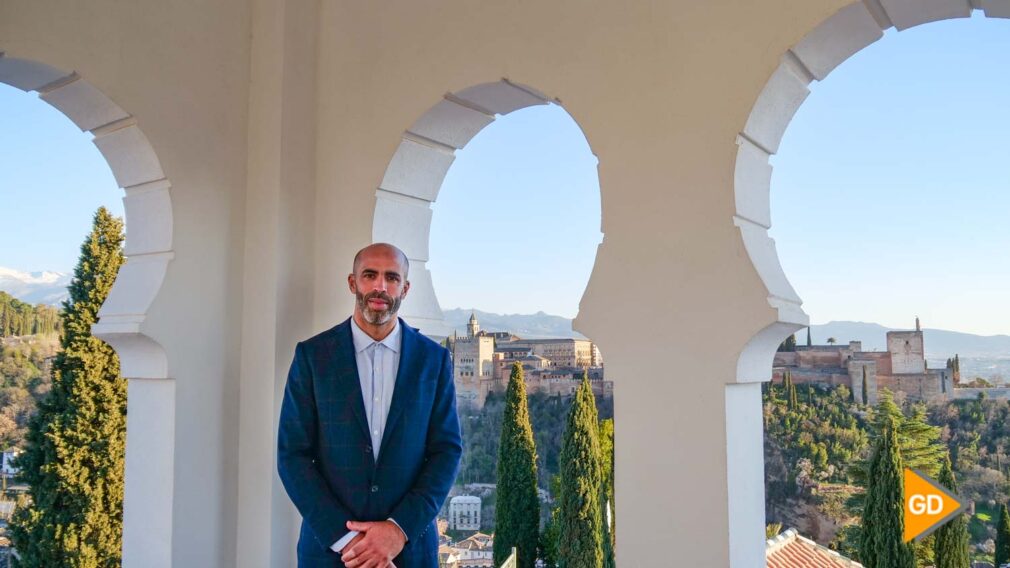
<point x="377" y="362"/>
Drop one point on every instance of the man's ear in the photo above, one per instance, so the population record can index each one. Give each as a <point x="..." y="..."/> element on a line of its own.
<point x="406" y="287"/>
<point x="351" y="284"/>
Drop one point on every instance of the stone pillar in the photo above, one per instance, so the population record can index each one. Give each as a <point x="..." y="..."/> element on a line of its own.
<point x="278" y="267"/>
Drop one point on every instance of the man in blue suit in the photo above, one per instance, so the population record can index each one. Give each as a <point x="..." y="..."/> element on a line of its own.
<point x="369" y="440"/>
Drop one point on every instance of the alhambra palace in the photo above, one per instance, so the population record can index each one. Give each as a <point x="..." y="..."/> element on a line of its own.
<point x="482" y="363"/>
<point x="902" y="368"/>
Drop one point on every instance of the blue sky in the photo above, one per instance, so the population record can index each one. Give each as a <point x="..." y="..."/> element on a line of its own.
<point x="52" y="179"/>
<point x="891" y="189"/>
<point x="890" y="197"/>
<point x="517" y="222"/>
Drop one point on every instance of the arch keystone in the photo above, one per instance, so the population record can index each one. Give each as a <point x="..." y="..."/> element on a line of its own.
<point x="502" y="97"/>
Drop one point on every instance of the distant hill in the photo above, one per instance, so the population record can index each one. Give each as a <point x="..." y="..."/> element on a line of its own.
<point x="35" y="287"/>
<point x="531" y="326"/>
<point x="938" y="342"/>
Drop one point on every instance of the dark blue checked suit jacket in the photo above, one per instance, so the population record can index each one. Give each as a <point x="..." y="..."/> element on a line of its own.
<point x="324" y="453"/>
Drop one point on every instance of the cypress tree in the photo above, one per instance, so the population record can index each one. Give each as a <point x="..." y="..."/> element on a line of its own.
<point x="787" y="390"/>
<point x="517" y="513"/>
<point x="918" y="441"/>
<point x="75" y="446"/>
<point x="581" y="544"/>
<point x="950" y="548"/>
<point x="549" y="541"/>
<point x="866" y="396"/>
<point x="790" y="387"/>
<point x="881" y="543"/>
<point x="1003" y="537"/>
<point x="607" y="490"/>
<point x="550" y="537"/>
<point x="809" y="343"/>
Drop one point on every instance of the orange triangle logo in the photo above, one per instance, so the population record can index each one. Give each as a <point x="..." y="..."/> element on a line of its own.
<point x="928" y="505"/>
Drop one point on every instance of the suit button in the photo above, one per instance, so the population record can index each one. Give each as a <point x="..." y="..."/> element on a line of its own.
<point x="368" y="449"/>
<point x="375" y="489"/>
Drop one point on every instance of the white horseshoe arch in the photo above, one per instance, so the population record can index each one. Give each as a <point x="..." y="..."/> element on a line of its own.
<point x="415" y="174"/>
<point x="147" y="522"/>
<point x="843" y="34"/>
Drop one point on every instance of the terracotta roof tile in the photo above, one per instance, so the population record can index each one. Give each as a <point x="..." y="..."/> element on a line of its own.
<point x="790" y="550"/>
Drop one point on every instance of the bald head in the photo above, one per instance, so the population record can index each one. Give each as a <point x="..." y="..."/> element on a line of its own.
<point x="381" y="249"/>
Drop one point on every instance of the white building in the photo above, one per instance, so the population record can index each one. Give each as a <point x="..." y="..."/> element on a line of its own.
<point x="476" y="551"/>
<point x="464" y="513"/>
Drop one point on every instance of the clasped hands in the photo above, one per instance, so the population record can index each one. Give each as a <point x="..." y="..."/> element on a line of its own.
<point x="375" y="547"/>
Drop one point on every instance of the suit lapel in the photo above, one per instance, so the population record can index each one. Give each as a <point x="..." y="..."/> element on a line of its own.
<point x="407" y="376"/>
<point x="348" y="379"/>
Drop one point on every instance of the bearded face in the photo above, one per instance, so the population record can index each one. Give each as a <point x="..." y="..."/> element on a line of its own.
<point x="379" y="283"/>
<point x="378" y="307"/>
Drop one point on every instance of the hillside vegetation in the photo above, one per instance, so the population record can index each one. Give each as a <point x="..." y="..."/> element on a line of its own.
<point x="29" y="340"/>
<point x="24" y="379"/>
<point x="818" y="440"/>
<point x="482" y="430"/>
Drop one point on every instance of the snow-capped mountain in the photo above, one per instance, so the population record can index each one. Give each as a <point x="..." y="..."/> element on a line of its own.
<point x="35" y="287"/>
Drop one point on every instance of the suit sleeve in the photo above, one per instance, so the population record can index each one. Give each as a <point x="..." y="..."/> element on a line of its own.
<point x="297" y="445"/>
<point x="443" y="449"/>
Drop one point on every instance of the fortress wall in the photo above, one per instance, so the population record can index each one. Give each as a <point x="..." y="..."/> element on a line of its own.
<point x="799" y="377"/>
<point x="917" y="387"/>
<point x="881" y="359"/>
<point x="818" y="359"/>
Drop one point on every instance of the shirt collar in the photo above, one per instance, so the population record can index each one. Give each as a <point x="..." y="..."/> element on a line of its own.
<point x="363" y="341"/>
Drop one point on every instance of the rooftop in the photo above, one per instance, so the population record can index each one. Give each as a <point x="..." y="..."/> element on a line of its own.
<point x="790" y="550"/>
